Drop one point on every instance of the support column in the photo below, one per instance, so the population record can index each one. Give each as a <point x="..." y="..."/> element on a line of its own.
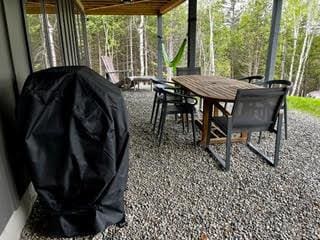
<point x="273" y="39"/>
<point x="67" y="32"/>
<point x="159" y="46"/>
<point x="192" y="33"/>
<point x="46" y="32"/>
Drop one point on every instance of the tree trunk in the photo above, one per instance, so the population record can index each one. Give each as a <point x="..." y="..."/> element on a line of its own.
<point x="295" y="40"/>
<point x="141" y="44"/>
<point x="283" y="59"/>
<point x="305" y="58"/>
<point x="232" y="47"/>
<point x="51" y="43"/>
<point x="106" y="39"/>
<point x="146" y="48"/>
<point x="45" y="55"/>
<point x="307" y="42"/>
<point x="131" y="46"/>
<point x="99" y="56"/>
<point x="170" y="53"/>
<point x="211" y="43"/>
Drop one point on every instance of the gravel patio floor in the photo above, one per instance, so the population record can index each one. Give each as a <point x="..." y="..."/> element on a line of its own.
<point x="178" y="191"/>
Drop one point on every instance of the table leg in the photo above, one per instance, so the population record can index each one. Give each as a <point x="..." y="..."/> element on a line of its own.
<point x="207" y="111"/>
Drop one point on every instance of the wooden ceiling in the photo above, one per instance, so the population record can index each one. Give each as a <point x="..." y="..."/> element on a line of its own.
<point x="112" y="7"/>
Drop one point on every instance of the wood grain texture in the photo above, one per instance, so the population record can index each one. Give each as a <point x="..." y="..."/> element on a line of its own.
<point x="214" y="87"/>
<point x="111" y="7"/>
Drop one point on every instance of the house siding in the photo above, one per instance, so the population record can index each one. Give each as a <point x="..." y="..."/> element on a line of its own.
<point x="14" y="68"/>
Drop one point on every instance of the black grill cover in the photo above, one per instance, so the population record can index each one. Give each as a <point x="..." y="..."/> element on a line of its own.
<point x="74" y="131"/>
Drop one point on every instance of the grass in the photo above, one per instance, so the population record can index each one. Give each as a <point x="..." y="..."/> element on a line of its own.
<point x="308" y="105"/>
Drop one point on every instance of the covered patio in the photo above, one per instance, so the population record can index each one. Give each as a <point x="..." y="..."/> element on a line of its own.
<point x="177" y="191"/>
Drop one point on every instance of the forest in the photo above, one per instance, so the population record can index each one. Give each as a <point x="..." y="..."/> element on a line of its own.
<point x="232" y="40"/>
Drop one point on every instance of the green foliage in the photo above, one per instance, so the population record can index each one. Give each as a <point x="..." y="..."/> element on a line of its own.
<point x="240" y="38"/>
<point x="308" y="105"/>
<point x="177" y="59"/>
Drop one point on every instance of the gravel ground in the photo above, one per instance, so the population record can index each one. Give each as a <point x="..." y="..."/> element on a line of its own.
<point x="178" y="191"/>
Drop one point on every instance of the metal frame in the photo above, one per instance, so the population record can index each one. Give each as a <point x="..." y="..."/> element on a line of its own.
<point x="192" y="33"/>
<point x="67" y="31"/>
<point x="159" y="52"/>
<point x="273" y="40"/>
<point x="226" y="162"/>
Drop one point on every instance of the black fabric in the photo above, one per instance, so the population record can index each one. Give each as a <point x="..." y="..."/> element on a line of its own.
<point x="74" y="130"/>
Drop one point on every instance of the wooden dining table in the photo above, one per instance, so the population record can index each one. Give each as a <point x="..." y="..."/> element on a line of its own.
<point x="215" y="92"/>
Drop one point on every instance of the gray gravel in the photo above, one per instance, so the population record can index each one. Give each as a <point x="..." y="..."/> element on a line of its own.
<point x="178" y="191"/>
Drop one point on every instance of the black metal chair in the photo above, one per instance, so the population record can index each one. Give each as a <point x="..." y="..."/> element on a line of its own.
<point x="252" y="79"/>
<point x="161" y="84"/>
<point x="188" y="71"/>
<point x="254" y="110"/>
<point x="158" y="86"/>
<point x="255" y="79"/>
<point x="286" y="84"/>
<point x="183" y="104"/>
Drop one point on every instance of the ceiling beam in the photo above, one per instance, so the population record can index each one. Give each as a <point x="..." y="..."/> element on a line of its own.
<point x="118" y="5"/>
<point x="169" y="6"/>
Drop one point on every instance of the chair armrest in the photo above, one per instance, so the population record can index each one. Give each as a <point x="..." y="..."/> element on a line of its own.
<point x="119" y="71"/>
<point x="186" y="97"/>
<point x="156" y="81"/>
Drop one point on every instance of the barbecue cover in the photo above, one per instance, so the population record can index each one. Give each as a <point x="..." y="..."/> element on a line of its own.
<point x="74" y="133"/>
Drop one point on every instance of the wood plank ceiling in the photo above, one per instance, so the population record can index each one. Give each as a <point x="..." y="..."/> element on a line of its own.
<point x="112" y="7"/>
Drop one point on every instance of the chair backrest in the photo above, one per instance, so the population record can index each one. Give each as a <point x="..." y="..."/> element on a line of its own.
<point x="188" y="71"/>
<point x="249" y="79"/>
<point x="112" y="74"/>
<point x="257" y="109"/>
<point x="278" y="83"/>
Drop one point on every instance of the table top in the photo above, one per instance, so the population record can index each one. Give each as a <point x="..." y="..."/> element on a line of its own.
<point x="213" y="87"/>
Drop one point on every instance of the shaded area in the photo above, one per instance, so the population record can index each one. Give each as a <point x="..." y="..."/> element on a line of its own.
<point x="177" y="191"/>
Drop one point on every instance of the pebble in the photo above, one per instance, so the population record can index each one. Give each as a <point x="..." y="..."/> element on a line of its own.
<point x="176" y="191"/>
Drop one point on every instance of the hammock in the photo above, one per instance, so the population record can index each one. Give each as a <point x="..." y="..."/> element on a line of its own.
<point x="176" y="60"/>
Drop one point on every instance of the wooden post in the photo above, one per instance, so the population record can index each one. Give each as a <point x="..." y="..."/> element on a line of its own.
<point x="192" y="30"/>
<point x="273" y="39"/>
<point x="159" y="54"/>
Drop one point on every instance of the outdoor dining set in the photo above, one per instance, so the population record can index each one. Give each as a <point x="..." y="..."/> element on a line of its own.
<point x="230" y="110"/>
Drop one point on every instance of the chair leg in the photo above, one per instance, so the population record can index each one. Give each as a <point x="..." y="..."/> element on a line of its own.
<point x="153" y="106"/>
<point x="182" y="121"/>
<point x="285" y="120"/>
<point x="260" y="137"/>
<point x="187" y="119"/>
<point x="278" y="141"/>
<point x="156" y="117"/>
<point x="161" y="126"/>
<point x="275" y="160"/>
<point x="228" y="145"/>
<point x="160" y="119"/>
<point x="193" y="128"/>
<point x="225" y="163"/>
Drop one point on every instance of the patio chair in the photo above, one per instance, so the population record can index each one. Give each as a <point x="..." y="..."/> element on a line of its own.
<point x="188" y="71"/>
<point x="280" y="83"/>
<point x="255" y="79"/>
<point x="252" y="79"/>
<point x="176" y="103"/>
<point x="158" y="86"/>
<point x="114" y="75"/>
<point x="254" y="110"/>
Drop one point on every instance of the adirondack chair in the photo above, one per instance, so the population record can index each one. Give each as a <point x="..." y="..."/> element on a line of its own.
<point x="114" y="75"/>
